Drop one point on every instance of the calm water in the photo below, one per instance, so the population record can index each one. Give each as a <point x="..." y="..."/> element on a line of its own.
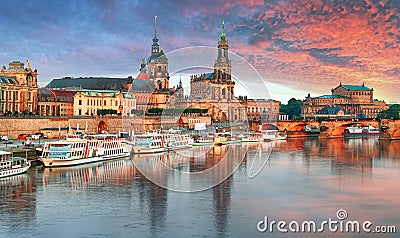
<point x="301" y="180"/>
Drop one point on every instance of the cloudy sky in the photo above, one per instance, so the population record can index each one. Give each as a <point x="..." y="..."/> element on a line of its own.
<point x="297" y="46"/>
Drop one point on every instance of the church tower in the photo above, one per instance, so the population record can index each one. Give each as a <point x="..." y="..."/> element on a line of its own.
<point x="222" y="69"/>
<point x="157" y="64"/>
<point x="222" y="65"/>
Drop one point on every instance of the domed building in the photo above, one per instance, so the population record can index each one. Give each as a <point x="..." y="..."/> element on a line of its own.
<point x="18" y="88"/>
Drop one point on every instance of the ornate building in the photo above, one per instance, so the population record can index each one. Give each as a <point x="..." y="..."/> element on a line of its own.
<point x="18" y="88"/>
<point x="158" y="64"/>
<point x="217" y="85"/>
<point x="90" y="102"/>
<point x="151" y="86"/>
<point x="348" y="100"/>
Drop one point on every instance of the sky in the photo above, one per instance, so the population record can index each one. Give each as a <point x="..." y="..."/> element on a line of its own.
<point x="298" y="47"/>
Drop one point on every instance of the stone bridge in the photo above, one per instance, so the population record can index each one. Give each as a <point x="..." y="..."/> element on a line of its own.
<point x="334" y="128"/>
<point x="390" y="129"/>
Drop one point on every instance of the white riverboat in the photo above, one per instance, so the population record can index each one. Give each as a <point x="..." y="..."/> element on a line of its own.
<point x="251" y="137"/>
<point x="361" y="131"/>
<point x="203" y="141"/>
<point x="75" y="151"/>
<point x="175" y="141"/>
<point x="10" y="165"/>
<point x="148" y="143"/>
<point x="272" y="135"/>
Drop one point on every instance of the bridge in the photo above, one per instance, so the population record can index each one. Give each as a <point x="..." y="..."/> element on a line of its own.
<point x="333" y="128"/>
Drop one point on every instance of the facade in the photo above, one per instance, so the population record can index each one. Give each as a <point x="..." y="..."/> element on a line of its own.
<point x="353" y="100"/>
<point x="91" y="102"/>
<point x="262" y="110"/>
<point x="53" y="102"/>
<point x="18" y="88"/>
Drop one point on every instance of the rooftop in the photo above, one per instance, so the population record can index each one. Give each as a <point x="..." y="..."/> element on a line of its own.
<point x="356" y="87"/>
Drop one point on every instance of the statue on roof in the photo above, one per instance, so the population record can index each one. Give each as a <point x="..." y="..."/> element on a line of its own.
<point x="28" y="63"/>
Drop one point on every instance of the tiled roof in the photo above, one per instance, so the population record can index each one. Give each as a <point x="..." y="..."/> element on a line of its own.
<point x="143" y="85"/>
<point x="88" y="83"/>
<point x="330" y="110"/>
<point x="332" y="96"/>
<point x="356" y="87"/>
<point x="207" y="76"/>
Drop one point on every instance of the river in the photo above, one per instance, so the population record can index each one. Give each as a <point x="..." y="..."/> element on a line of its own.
<point x="172" y="194"/>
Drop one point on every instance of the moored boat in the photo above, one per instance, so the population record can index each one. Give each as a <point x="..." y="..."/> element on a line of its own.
<point x="361" y="131"/>
<point x="178" y="141"/>
<point x="271" y="135"/>
<point x="10" y="165"/>
<point x="203" y="141"/>
<point x="251" y="137"/>
<point x="75" y="151"/>
<point x="148" y="143"/>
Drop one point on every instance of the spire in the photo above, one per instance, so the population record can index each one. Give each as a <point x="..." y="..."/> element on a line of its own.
<point x="180" y="81"/>
<point x="155" y="39"/>
<point x="222" y="37"/>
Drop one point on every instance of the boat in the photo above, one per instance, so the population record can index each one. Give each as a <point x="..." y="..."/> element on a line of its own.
<point x="231" y="139"/>
<point x="176" y="141"/>
<point x="203" y="141"/>
<point x="271" y="135"/>
<point x="220" y="138"/>
<point x="10" y="165"/>
<point x="28" y="142"/>
<point x="148" y="143"/>
<point x="76" y="151"/>
<point x="361" y="131"/>
<point x="251" y="137"/>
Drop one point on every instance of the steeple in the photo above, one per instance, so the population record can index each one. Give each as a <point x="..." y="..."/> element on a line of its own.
<point x="155" y="48"/>
<point x="222" y="65"/>
<point x="180" y="81"/>
<point x="222" y="37"/>
<point x="155" y="39"/>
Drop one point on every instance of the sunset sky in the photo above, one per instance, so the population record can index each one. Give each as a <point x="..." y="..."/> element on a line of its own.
<point x="298" y="47"/>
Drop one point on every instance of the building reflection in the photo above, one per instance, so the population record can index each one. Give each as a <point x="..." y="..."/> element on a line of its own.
<point x="220" y="160"/>
<point x="116" y="172"/>
<point x="389" y="149"/>
<point x="17" y="200"/>
<point x="345" y="155"/>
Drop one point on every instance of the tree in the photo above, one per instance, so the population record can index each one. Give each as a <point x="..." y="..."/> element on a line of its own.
<point x="293" y="108"/>
<point x="102" y="112"/>
<point x="392" y="113"/>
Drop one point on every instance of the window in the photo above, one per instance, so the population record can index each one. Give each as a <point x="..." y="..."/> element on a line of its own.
<point x="80" y="103"/>
<point x="80" y="112"/>
<point x="105" y="104"/>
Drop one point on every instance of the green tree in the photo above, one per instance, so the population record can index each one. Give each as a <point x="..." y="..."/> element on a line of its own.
<point x="392" y="113"/>
<point x="293" y="108"/>
<point x="155" y="111"/>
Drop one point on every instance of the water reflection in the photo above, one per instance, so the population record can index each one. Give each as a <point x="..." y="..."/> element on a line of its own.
<point x="118" y="172"/>
<point x="17" y="202"/>
<point x="303" y="179"/>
